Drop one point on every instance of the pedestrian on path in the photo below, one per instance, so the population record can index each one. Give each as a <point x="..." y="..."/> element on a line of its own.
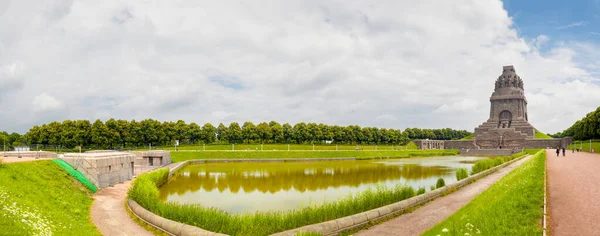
<point x="557" y="151"/>
<point x="563" y="149"/>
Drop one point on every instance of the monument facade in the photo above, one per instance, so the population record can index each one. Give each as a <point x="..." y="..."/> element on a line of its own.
<point x="507" y="128"/>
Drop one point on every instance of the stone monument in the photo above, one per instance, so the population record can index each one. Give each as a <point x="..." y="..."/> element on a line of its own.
<point x="508" y="126"/>
<point x="507" y="129"/>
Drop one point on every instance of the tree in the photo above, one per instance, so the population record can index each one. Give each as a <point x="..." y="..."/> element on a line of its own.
<point x="277" y="132"/>
<point x="181" y="131"/>
<point x="264" y="132"/>
<point x="194" y="133"/>
<point x="301" y="134"/>
<point x="288" y="132"/>
<point x="113" y="135"/>
<point x="209" y="133"/>
<point x="221" y="133"/>
<point x="68" y="130"/>
<point x="249" y="132"/>
<point x="83" y="132"/>
<point x="100" y="134"/>
<point x="234" y="132"/>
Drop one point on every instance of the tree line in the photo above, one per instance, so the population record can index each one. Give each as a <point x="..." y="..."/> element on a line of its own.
<point x="586" y="128"/>
<point x="11" y="140"/>
<point x="122" y="133"/>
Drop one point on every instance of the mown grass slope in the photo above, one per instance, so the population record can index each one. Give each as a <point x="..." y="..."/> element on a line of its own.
<point x="541" y="135"/>
<point x="512" y="206"/>
<point x="40" y="198"/>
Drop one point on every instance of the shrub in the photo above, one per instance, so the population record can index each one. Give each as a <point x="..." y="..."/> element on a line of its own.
<point x="440" y="183"/>
<point x="432" y="187"/>
<point x="421" y="191"/>
<point x="461" y="174"/>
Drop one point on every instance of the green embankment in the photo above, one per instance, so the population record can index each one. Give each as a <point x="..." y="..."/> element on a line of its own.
<point x="40" y="198"/>
<point x="512" y="206"/>
<point x="585" y="145"/>
<point x="190" y="155"/>
<point x="541" y="135"/>
<point x="469" y="137"/>
<point x="145" y="191"/>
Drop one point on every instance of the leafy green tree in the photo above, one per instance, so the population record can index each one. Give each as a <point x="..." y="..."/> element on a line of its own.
<point x="210" y="133"/>
<point x="194" y="133"/>
<point x="301" y="133"/>
<point x="222" y="132"/>
<point x="277" y="132"/>
<point x="100" y="134"/>
<point x="288" y="132"/>
<point x="264" y="132"/>
<point x="234" y="133"/>
<point x="249" y="132"/>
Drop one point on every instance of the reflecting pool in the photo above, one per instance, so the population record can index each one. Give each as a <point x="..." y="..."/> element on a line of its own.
<point x="239" y="187"/>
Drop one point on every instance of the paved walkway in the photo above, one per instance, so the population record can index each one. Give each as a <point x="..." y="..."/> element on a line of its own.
<point x="109" y="214"/>
<point x="22" y="159"/>
<point x="573" y="193"/>
<point x="432" y="213"/>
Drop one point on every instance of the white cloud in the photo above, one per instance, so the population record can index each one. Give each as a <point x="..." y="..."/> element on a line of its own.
<point x="45" y="102"/>
<point x="571" y="25"/>
<point x="427" y="64"/>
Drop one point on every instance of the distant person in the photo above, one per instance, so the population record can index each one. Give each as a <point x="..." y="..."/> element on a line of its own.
<point x="563" y="149"/>
<point x="573" y="150"/>
<point x="557" y="152"/>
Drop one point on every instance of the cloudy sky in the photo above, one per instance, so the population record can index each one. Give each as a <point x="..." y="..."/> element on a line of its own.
<point x="393" y="64"/>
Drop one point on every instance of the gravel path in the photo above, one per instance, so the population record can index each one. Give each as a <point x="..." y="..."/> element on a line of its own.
<point x="109" y="214"/>
<point x="574" y="193"/>
<point x="432" y="213"/>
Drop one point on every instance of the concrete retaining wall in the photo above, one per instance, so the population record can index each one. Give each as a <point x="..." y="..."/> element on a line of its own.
<point x="166" y="225"/>
<point x="331" y="227"/>
<point x="103" y="169"/>
<point x="30" y="154"/>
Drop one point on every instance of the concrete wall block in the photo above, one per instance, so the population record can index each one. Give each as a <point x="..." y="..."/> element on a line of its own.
<point x="372" y="214"/>
<point x="359" y="218"/>
<point x="324" y="228"/>
<point x="384" y="210"/>
<point x="172" y="226"/>
<point x="345" y="222"/>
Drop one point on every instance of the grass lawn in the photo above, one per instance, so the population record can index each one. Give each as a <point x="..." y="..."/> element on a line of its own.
<point x="190" y="155"/>
<point x="469" y="137"/>
<point x="541" y="135"/>
<point x="512" y="206"/>
<point x="40" y="198"/>
<point x="585" y="145"/>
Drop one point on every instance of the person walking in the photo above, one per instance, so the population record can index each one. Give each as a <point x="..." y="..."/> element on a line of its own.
<point x="557" y="151"/>
<point x="563" y="149"/>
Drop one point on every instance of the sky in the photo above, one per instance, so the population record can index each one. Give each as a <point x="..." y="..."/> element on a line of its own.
<point x="388" y="64"/>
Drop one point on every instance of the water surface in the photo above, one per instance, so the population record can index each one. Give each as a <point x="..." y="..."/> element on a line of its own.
<point x="279" y="186"/>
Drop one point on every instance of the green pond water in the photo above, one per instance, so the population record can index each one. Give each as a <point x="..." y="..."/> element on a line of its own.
<point x="280" y="186"/>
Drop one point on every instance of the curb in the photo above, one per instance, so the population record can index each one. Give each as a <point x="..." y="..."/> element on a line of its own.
<point x="334" y="227"/>
<point x="544" y="223"/>
<point x="168" y="226"/>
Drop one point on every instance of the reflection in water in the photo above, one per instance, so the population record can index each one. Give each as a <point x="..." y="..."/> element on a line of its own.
<point x="249" y="187"/>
